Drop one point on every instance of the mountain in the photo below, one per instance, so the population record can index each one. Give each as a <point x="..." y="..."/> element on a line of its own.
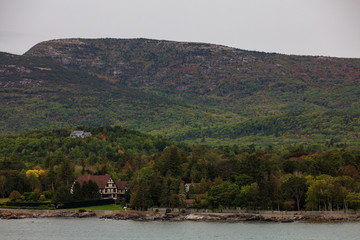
<point x="185" y="91"/>
<point x="212" y="71"/>
<point x="39" y="93"/>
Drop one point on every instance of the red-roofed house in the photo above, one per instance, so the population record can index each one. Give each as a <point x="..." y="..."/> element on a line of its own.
<point x="108" y="188"/>
<point x="122" y="187"/>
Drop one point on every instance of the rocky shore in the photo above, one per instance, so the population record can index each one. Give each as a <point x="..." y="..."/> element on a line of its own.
<point x="25" y="213"/>
<point x="232" y="217"/>
<point x="175" y="216"/>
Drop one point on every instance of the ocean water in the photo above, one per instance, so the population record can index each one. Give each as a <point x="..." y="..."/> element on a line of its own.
<point x="94" y="228"/>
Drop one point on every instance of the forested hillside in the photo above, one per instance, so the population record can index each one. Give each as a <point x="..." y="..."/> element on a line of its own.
<point x="42" y="165"/>
<point x="38" y="93"/>
<point x="191" y="92"/>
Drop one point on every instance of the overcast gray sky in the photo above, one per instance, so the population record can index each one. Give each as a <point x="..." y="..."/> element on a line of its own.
<point x="302" y="27"/>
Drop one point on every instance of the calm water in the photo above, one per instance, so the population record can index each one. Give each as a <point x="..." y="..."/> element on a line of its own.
<point x="93" y="228"/>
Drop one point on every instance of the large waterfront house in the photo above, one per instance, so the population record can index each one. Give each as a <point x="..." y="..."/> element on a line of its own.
<point x="108" y="188"/>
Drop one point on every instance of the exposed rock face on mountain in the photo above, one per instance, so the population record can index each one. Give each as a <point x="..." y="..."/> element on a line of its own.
<point x="202" y="69"/>
<point x="185" y="91"/>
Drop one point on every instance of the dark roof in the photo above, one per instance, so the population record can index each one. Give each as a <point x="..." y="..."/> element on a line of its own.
<point x="100" y="180"/>
<point x="121" y="184"/>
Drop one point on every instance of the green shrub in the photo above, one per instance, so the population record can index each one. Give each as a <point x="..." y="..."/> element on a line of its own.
<point x="47" y="194"/>
<point x="34" y="196"/>
<point x="27" y="196"/>
<point x="42" y="198"/>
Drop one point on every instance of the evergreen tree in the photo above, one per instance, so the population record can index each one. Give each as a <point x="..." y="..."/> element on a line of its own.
<point x="174" y="200"/>
<point x="165" y="191"/>
<point x="3" y="182"/>
<point x="155" y="188"/>
<point x="93" y="191"/>
<point x="66" y="173"/>
<point x="140" y="199"/>
<point x="172" y="160"/>
<point x="252" y="166"/>
<point x="182" y="195"/>
<point x="62" y="195"/>
<point x="203" y="187"/>
<point x="85" y="190"/>
<point x="77" y="192"/>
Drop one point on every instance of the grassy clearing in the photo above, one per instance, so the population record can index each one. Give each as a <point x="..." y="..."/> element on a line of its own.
<point x="3" y="200"/>
<point x="104" y="207"/>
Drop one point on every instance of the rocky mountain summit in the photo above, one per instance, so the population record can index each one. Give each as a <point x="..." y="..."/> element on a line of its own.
<point x="200" y="69"/>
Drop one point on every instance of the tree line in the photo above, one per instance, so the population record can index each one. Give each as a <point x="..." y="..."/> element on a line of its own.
<point x="168" y="174"/>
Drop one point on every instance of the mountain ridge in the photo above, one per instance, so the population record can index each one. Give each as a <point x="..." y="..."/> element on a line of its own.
<point x="204" y="91"/>
<point x="185" y="42"/>
<point x="199" y="69"/>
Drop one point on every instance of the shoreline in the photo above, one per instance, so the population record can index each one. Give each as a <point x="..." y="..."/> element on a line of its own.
<point x="288" y="217"/>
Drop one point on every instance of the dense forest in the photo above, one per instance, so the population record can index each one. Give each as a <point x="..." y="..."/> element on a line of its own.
<point x="241" y="129"/>
<point x="41" y="166"/>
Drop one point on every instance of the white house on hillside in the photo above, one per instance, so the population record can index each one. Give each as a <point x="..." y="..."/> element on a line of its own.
<point x="82" y="134"/>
